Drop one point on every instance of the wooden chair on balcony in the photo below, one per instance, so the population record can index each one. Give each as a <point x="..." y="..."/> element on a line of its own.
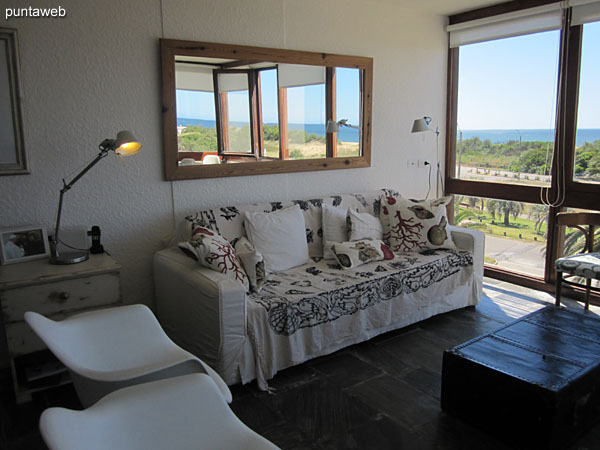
<point x="582" y="265"/>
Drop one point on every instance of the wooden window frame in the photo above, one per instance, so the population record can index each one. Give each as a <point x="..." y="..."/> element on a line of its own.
<point x="222" y="113"/>
<point x="577" y="194"/>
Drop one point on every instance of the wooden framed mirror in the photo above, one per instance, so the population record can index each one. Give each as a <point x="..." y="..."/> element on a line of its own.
<point x="231" y="110"/>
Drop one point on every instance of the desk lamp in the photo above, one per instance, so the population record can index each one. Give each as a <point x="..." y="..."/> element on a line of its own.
<point x="125" y="144"/>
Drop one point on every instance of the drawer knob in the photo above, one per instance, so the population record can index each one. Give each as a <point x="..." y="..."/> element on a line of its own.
<point x="64" y="295"/>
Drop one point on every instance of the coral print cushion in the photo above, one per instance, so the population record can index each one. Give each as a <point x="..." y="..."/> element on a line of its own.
<point x="213" y="251"/>
<point x="253" y="262"/>
<point x="411" y="225"/>
<point x="356" y="253"/>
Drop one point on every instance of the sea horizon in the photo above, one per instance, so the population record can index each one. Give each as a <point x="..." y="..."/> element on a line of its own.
<point x="496" y="136"/>
<point x="502" y="136"/>
<point x="344" y="134"/>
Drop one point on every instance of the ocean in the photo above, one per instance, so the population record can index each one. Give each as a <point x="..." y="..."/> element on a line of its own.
<point x="344" y="134"/>
<point x="495" y="136"/>
<point x="544" y="135"/>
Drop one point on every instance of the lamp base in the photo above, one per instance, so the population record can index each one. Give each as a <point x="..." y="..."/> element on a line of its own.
<point x="69" y="258"/>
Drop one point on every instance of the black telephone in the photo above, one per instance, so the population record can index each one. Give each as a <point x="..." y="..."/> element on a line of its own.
<point x="96" y="245"/>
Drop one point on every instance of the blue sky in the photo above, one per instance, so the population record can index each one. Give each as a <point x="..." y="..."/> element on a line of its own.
<point x="306" y="104"/>
<point x="511" y="83"/>
<point x="503" y="84"/>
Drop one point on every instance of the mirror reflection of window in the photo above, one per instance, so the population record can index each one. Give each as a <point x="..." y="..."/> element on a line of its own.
<point x="269" y="112"/>
<point x="235" y="112"/>
<point x="348" y="101"/>
<point x="304" y="89"/>
<point x="196" y="118"/>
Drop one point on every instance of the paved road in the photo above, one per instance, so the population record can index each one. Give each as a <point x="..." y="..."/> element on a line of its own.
<point x="503" y="176"/>
<point x="522" y="256"/>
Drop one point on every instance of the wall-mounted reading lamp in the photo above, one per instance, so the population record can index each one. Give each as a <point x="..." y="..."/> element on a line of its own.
<point x="125" y="144"/>
<point x="422" y="124"/>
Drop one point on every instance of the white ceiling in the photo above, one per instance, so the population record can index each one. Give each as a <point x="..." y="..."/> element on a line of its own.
<point x="443" y="7"/>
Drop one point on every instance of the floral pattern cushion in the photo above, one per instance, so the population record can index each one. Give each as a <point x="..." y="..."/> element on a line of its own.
<point x="213" y="251"/>
<point x="411" y="225"/>
<point x="253" y="262"/>
<point x="356" y="253"/>
<point x="584" y="264"/>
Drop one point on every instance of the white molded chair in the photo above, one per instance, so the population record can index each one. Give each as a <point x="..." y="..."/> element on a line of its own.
<point x="112" y="348"/>
<point x="185" y="412"/>
<point x="211" y="159"/>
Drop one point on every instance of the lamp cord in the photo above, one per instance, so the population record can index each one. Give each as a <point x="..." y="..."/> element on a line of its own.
<point x="428" y="181"/>
<point x="439" y="178"/>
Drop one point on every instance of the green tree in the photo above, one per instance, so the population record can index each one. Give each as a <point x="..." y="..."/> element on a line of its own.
<point x="539" y="213"/>
<point x="508" y="208"/>
<point x="462" y="214"/>
<point x="492" y="207"/>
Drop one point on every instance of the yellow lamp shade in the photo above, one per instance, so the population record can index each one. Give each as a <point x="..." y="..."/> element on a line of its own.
<point x="126" y="143"/>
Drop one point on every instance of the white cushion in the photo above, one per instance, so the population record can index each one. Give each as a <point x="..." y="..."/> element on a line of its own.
<point x="334" y="228"/>
<point x="279" y="236"/>
<point x="363" y="226"/>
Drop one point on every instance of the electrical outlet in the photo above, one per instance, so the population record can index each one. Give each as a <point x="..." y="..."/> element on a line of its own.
<point x="423" y="163"/>
<point x="411" y="163"/>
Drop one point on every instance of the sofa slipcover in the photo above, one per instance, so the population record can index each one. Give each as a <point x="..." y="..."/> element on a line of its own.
<point x="310" y="310"/>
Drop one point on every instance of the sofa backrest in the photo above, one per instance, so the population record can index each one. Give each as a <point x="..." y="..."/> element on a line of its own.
<point x="228" y="221"/>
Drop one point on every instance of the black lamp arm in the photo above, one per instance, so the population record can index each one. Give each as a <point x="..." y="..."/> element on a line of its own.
<point x="105" y="147"/>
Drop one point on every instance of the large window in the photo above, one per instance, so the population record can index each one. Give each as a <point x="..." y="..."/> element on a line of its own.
<point x="515" y="231"/>
<point x="587" y="144"/>
<point x="524" y="141"/>
<point x="506" y="109"/>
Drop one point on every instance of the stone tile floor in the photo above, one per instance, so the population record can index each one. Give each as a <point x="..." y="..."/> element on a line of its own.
<point x="381" y="394"/>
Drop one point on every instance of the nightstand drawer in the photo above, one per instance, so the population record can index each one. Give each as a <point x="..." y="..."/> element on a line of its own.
<point x="65" y="297"/>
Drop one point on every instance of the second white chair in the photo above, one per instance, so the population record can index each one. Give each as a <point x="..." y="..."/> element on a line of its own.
<point x="109" y="349"/>
<point x="179" y="413"/>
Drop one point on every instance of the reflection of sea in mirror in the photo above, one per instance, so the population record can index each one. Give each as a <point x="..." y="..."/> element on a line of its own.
<point x="264" y="105"/>
<point x="216" y="112"/>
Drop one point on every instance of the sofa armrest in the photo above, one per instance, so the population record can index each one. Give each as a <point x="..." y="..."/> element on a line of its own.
<point x="202" y="310"/>
<point x="473" y="241"/>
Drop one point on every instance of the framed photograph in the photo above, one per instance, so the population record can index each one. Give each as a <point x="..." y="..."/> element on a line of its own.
<point x="23" y="244"/>
<point x="13" y="160"/>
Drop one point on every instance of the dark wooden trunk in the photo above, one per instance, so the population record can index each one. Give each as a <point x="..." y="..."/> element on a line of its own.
<point x="534" y="383"/>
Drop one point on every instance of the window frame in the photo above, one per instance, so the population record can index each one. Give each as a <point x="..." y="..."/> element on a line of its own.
<point x="577" y="194"/>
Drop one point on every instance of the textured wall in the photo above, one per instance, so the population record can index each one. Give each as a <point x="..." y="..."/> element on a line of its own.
<point x="96" y="71"/>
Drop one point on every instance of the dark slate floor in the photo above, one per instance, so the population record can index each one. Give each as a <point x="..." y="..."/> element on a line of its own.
<point x="381" y="394"/>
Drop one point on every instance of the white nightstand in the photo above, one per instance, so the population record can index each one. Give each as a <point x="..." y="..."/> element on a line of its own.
<point x="56" y="292"/>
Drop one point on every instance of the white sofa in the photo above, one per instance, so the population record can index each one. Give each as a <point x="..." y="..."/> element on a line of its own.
<point x="310" y="310"/>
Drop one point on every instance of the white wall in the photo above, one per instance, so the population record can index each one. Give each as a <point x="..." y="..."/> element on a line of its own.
<point x="96" y="71"/>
